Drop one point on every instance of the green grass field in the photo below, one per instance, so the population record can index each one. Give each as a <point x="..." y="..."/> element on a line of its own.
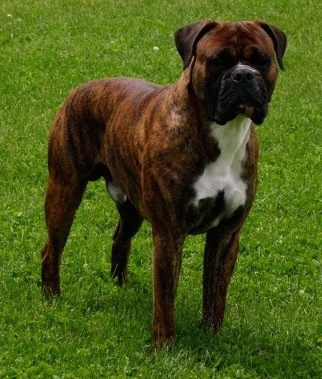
<point x="273" y="324"/>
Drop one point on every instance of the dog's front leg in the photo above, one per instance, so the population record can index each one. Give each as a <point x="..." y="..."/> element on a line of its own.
<point x="167" y="256"/>
<point x="219" y="260"/>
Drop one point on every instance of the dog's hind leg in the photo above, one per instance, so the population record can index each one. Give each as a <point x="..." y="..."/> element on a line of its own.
<point x="61" y="203"/>
<point x="128" y="225"/>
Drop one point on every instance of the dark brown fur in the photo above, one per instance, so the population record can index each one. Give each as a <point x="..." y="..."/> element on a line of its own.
<point x="154" y="141"/>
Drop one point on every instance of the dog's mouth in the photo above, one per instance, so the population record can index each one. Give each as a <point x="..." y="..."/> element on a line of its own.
<point x="247" y="110"/>
<point x="256" y="112"/>
<point x="241" y="98"/>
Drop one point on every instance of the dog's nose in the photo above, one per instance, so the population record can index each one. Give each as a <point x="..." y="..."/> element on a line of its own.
<point x="243" y="75"/>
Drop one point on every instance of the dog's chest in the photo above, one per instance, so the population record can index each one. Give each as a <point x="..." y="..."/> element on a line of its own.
<point x="220" y="189"/>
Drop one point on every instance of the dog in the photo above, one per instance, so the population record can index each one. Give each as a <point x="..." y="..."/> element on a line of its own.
<point x="183" y="156"/>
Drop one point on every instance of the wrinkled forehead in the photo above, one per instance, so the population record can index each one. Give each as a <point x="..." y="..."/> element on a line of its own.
<point x="237" y="37"/>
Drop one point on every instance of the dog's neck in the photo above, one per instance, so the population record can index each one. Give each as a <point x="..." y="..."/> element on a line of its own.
<point x="231" y="135"/>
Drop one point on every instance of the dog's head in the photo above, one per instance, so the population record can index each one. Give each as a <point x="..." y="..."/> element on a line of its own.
<point x="232" y="66"/>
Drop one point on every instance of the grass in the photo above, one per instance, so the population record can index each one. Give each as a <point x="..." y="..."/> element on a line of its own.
<point x="273" y="325"/>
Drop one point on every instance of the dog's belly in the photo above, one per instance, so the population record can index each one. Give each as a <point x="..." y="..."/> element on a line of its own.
<point x="220" y="189"/>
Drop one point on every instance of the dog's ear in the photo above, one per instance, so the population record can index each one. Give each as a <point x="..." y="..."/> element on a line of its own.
<point x="187" y="37"/>
<point x="279" y="40"/>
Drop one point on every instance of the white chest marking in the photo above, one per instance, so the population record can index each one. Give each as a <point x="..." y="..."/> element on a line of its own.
<point x="224" y="175"/>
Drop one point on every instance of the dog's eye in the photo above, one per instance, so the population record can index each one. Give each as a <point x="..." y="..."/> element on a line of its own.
<point x="219" y="61"/>
<point x="261" y="61"/>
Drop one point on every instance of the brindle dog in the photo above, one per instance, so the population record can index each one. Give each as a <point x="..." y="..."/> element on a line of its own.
<point x="182" y="156"/>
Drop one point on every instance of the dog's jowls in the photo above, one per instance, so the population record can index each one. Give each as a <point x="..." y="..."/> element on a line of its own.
<point x="183" y="157"/>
